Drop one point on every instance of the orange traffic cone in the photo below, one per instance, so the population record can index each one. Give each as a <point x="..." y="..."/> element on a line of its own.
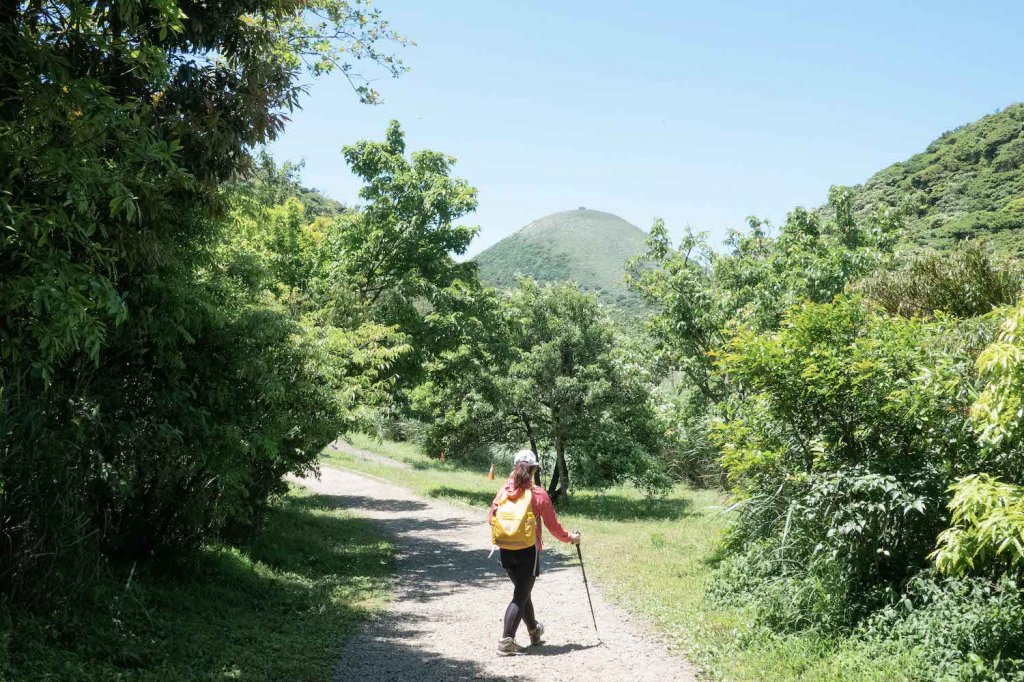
<point x="490" y="474"/>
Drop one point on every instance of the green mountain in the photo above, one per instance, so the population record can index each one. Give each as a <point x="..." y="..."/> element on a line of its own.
<point x="585" y="246"/>
<point x="969" y="183"/>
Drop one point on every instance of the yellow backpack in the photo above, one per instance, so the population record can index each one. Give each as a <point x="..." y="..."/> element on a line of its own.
<point x="513" y="525"/>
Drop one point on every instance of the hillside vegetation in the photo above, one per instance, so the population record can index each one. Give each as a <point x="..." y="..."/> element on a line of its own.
<point x="182" y="327"/>
<point x="967" y="184"/>
<point x="584" y="246"/>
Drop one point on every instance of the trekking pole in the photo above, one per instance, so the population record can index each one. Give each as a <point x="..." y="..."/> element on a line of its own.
<point x="579" y="553"/>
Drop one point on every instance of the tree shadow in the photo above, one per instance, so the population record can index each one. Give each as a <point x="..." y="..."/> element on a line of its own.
<point x="384" y="652"/>
<point x="275" y="608"/>
<point x="359" y="502"/>
<point x="602" y="506"/>
<point x="473" y="498"/>
<point x="613" y="507"/>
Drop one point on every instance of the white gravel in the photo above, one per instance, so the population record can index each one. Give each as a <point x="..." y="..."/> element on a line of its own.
<point x="445" y="619"/>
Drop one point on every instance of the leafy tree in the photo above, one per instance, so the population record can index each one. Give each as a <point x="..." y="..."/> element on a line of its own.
<point x="144" y="401"/>
<point x="398" y="249"/>
<point x="279" y="252"/>
<point x="987" y="526"/>
<point x="550" y="371"/>
<point x="699" y="295"/>
<point x="462" y="396"/>
<point x="966" y="281"/>
<point x="846" y="428"/>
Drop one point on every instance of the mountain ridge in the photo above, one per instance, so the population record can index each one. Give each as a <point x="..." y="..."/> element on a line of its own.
<point x="968" y="183"/>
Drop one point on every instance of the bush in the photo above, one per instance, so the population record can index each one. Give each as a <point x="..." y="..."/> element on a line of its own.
<point x="846" y="429"/>
<point x="144" y="402"/>
<point x="955" y="629"/>
<point x="965" y="282"/>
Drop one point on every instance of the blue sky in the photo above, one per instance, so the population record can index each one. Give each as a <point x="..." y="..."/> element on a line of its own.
<point x="698" y="113"/>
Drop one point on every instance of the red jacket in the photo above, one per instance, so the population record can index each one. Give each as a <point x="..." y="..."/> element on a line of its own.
<point x="542" y="509"/>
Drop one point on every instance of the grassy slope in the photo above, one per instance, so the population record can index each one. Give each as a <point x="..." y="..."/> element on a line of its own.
<point x="275" y="610"/>
<point x="585" y="246"/>
<point x="653" y="558"/>
<point x="968" y="183"/>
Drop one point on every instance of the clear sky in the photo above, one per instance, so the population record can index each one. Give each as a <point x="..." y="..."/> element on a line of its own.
<point x="698" y="113"/>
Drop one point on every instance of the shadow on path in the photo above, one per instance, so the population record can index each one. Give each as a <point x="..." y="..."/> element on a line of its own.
<point x="450" y="596"/>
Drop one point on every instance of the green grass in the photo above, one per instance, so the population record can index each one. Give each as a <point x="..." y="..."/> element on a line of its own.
<point x="653" y="558"/>
<point x="276" y="609"/>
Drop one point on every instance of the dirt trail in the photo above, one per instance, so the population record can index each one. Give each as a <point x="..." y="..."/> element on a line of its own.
<point x="445" y="619"/>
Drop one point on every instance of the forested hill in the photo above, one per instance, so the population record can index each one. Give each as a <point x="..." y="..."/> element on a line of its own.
<point x="968" y="183"/>
<point x="585" y="246"/>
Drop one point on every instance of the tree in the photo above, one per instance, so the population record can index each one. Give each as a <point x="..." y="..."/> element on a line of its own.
<point x="845" y="428"/>
<point x="551" y="372"/>
<point x="399" y="248"/>
<point x="700" y="296"/>
<point x="134" y="384"/>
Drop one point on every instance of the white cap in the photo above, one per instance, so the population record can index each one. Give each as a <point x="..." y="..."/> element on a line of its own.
<point x="526" y="456"/>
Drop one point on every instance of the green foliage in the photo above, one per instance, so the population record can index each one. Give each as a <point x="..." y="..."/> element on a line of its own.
<point x="999" y="409"/>
<point x="276" y="253"/>
<point x="987" y="526"/>
<point x="967" y="184"/>
<point x="691" y="310"/>
<point x="274" y="608"/>
<point x="845" y="430"/>
<point x="951" y="629"/>
<point x="699" y="294"/>
<point x="583" y="246"/>
<point x="542" y="365"/>
<point x="462" y="398"/>
<point x="402" y="240"/>
<point x="146" y="399"/>
<point x="965" y="281"/>
<point x="398" y="250"/>
<point x="583" y="390"/>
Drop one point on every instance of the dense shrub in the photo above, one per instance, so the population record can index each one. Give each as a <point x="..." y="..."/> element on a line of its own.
<point x="964" y="282"/>
<point x="952" y="629"/>
<point x="145" y="400"/>
<point x="845" y="431"/>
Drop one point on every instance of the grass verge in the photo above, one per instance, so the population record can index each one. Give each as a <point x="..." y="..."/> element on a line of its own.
<point x="652" y="556"/>
<point x="276" y="609"/>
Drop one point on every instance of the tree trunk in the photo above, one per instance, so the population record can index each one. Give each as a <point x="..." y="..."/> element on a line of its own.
<point x="560" y="478"/>
<point x="553" y="485"/>
<point x="533" y="446"/>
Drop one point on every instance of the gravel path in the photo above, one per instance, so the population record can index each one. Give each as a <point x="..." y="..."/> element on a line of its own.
<point x="445" y="618"/>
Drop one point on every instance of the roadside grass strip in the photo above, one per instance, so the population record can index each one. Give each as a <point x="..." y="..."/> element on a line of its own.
<point x="276" y="608"/>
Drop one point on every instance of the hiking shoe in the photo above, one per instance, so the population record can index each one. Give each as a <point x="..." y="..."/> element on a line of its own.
<point x="508" y="647"/>
<point x="535" y="635"/>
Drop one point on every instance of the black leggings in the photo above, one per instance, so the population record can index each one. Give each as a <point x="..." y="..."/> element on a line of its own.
<point x="522" y="567"/>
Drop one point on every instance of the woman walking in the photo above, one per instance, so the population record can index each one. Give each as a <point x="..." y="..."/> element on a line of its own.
<point x="515" y="529"/>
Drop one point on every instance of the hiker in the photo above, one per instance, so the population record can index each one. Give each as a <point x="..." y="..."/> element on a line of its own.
<point x="515" y="518"/>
